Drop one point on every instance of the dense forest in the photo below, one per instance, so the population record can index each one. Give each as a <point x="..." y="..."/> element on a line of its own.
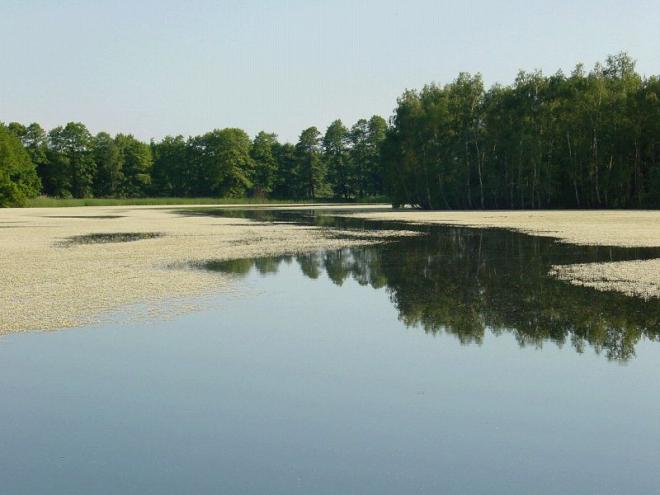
<point x="70" y="162"/>
<point x="588" y="140"/>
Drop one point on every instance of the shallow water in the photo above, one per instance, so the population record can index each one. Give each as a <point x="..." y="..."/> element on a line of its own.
<point x="446" y="363"/>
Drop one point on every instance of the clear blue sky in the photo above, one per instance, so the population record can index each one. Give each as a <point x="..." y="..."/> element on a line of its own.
<point x="154" y="68"/>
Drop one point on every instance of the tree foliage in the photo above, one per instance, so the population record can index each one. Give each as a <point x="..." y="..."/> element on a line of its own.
<point x="109" y="173"/>
<point x="584" y="140"/>
<point x="337" y="160"/>
<point x="70" y="153"/>
<point x="311" y="169"/>
<point x="223" y="162"/>
<point x="136" y="163"/>
<point x="265" y="162"/>
<point x="173" y="174"/>
<point x="18" y="175"/>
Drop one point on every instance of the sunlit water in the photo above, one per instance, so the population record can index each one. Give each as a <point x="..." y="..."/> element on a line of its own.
<point x="449" y="363"/>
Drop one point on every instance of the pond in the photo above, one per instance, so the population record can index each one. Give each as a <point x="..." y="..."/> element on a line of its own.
<point x="449" y="362"/>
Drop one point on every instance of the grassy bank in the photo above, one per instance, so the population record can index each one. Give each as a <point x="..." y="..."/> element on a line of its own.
<point x="58" y="202"/>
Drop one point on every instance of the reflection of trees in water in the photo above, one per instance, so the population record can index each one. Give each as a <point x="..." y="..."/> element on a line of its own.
<point x="464" y="282"/>
<point x="361" y="264"/>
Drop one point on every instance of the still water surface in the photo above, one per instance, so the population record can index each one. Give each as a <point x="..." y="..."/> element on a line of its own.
<point x="447" y="363"/>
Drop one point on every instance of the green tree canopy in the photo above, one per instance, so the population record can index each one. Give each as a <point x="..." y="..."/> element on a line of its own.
<point x="588" y="140"/>
<point x="70" y="153"/>
<point x="311" y="168"/>
<point x="173" y="173"/>
<point x="225" y="165"/>
<point x="287" y="184"/>
<point x="136" y="163"/>
<point x="18" y="176"/>
<point x="376" y="130"/>
<point x="336" y="158"/>
<point x="107" y="156"/>
<point x="265" y="162"/>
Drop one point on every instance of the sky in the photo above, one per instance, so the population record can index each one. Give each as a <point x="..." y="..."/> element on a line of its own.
<point x="153" y="68"/>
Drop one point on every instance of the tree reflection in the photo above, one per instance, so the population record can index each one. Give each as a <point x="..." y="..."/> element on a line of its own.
<point x="466" y="282"/>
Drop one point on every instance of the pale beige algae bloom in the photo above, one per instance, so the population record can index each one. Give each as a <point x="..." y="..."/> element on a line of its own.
<point x="623" y="228"/>
<point x="639" y="278"/>
<point x="45" y="284"/>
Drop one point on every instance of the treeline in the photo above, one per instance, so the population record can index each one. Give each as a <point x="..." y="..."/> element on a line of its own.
<point x="69" y="162"/>
<point x="588" y="140"/>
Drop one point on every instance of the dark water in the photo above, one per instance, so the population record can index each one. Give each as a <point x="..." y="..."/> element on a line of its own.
<point x="446" y="363"/>
<point x="108" y="238"/>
